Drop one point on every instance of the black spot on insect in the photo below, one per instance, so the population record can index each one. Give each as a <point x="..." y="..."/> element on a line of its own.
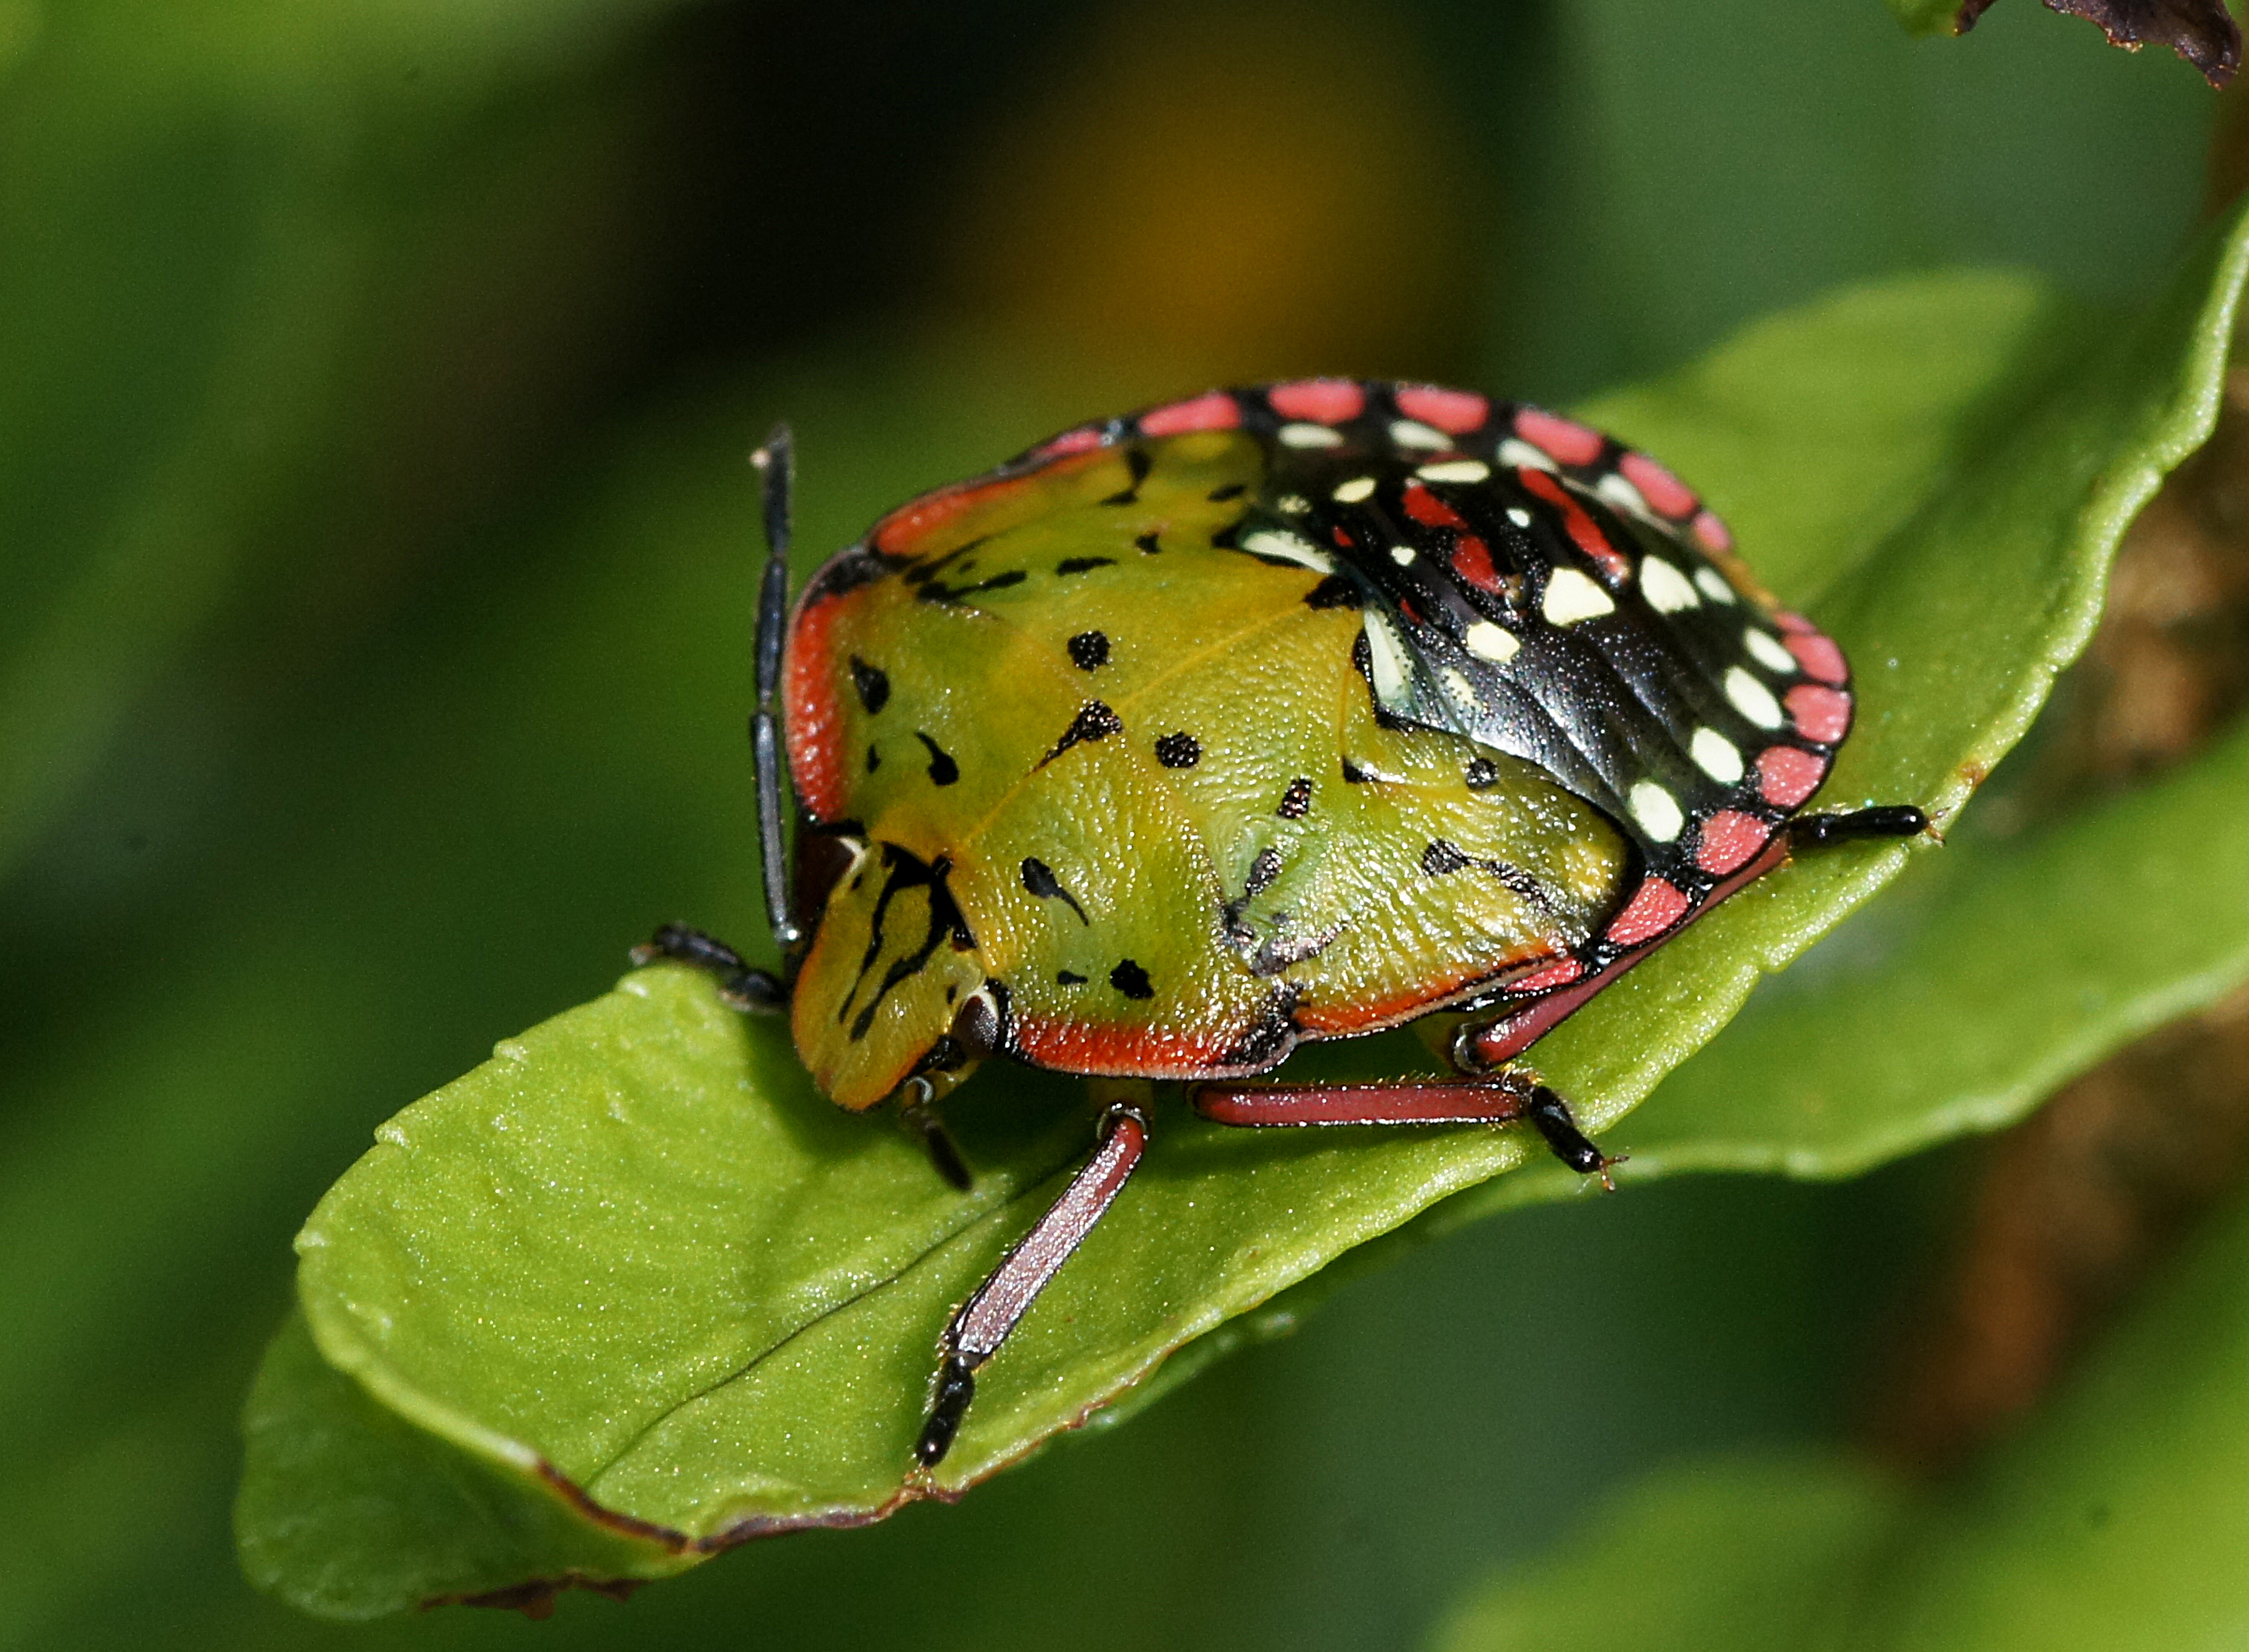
<point x="952" y="991"/>
<point x="1131" y="979"/>
<point x="1482" y="775"/>
<point x="936" y="591"/>
<point x="1139" y="464"/>
<point x="1335" y="591"/>
<point x="1089" y="650"/>
<point x="943" y="771"/>
<point x="1441" y="858"/>
<point x="1094" y="721"/>
<point x="1038" y="877"/>
<point x="875" y="758"/>
<point x="1068" y="978"/>
<point x="873" y="682"/>
<point x="1083" y="564"/>
<point x="1233" y="490"/>
<point x="1179" y="751"/>
<point x="1263" y="871"/>
<point x="1353" y="774"/>
<point x="1147" y="544"/>
<point x="1297" y="799"/>
<point x="1228" y="537"/>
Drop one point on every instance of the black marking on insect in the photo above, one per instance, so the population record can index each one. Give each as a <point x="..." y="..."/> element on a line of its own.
<point x="1038" y="877"/>
<point x="1068" y="978"/>
<point x="1353" y="775"/>
<point x="1233" y="490"/>
<point x="1089" y="650"/>
<point x="1179" y="751"/>
<point x="1297" y="799"/>
<point x="1263" y="871"/>
<point x="1131" y="979"/>
<point x="873" y="682"/>
<point x="1094" y="721"/>
<point x="943" y="771"/>
<point x="1228" y="537"/>
<point x="1147" y="544"/>
<point x="1335" y="591"/>
<point x="1083" y="564"/>
<point x="902" y="871"/>
<point x="935" y="593"/>
<point x="1139" y="464"/>
<point x="875" y="757"/>
<point x="1482" y="775"/>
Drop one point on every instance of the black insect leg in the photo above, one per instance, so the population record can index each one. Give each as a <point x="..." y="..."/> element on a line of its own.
<point x="918" y="1114"/>
<point x="741" y="984"/>
<point x="1498" y="1098"/>
<point x="776" y="461"/>
<point x="1887" y="820"/>
<point x="985" y="1320"/>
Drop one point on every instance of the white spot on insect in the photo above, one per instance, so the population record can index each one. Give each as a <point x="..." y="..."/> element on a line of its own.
<point x="1767" y="650"/>
<point x="1518" y="515"/>
<point x="1667" y="588"/>
<point x="1357" y="488"/>
<point x="1456" y="471"/>
<point x="1460" y="687"/>
<point x="1491" y="642"/>
<point x="1620" y="491"/>
<point x="1752" y="699"/>
<point x="1716" y="755"/>
<point x="1386" y="662"/>
<point x="1714" y="585"/>
<point x="1289" y="547"/>
<point x="1310" y="435"/>
<point x="1413" y="433"/>
<point x="1295" y="504"/>
<point x="1657" y="810"/>
<point x="1520" y="455"/>
<point x="1572" y="597"/>
<point x="1402" y="555"/>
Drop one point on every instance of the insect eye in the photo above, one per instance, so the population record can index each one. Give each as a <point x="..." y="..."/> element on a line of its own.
<point x="977" y="1026"/>
<point x="823" y="858"/>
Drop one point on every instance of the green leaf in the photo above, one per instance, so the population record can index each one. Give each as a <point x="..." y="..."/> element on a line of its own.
<point x="2114" y="1521"/>
<point x="637" y="1253"/>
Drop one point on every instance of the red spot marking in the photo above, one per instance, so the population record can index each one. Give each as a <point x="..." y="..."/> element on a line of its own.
<point x="1461" y="1103"/>
<point x="1324" y="401"/>
<point x="1818" y="656"/>
<point x="1666" y="493"/>
<point x="1343" y="538"/>
<point x="1795" y="623"/>
<point x="1410" y="606"/>
<point x="1712" y="532"/>
<point x="1655" y="906"/>
<point x="1584" y="532"/>
<point x="1125" y="1052"/>
<point x="1728" y="839"/>
<point x="1215" y="411"/>
<point x="1428" y="508"/>
<point x="1453" y="412"/>
<point x="1070" y="441"/>
<point x="1821" y="714"/>
<point x="1473" y="561"/>
<point x="1565" y="439"/>
<point x="900" y="533"/>
<point x="1787" y="775"/>
<point x="816" y="711"/>
<point x="1554" y="975"/>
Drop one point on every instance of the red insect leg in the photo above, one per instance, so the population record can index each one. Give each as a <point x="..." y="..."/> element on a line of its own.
<point x="985" y="1320"/>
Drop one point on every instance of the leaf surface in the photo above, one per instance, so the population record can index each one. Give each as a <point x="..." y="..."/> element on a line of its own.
<point x="636" y="1259"/>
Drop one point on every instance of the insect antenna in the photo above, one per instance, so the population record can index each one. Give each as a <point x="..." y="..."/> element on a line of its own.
<point x="776" y="463"/>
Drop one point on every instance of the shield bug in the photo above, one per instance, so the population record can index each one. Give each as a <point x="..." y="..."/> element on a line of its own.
<point x="1275" y="715"/>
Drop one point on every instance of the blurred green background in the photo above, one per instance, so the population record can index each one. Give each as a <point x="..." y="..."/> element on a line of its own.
<point x="376" y="577"/>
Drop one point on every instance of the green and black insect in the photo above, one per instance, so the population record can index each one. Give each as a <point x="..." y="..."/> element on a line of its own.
<point x="1274" y="715"/>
